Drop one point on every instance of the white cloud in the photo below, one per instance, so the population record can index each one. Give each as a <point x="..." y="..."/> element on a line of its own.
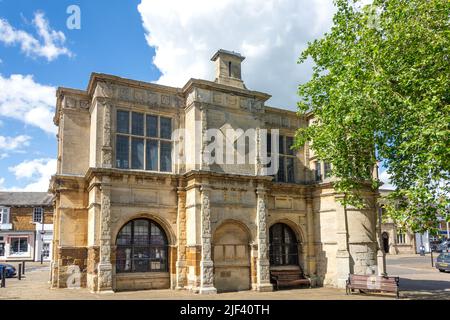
<point x="14" y="143"/>
<point x="51" y="42"/>
<point x="271" y="34"/>
<point x="24" y="99"/>
<point x="385" y="178"/>
<point x="36" y="172"/>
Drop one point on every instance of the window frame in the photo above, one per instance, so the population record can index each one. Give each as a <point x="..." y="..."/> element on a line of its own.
<point x="146" y="140"/>
<point x="292" y="256"/>
<point x="41" y="214"/>
<point x="283" y="156"/>
<point x="400" y="238"/>
<point x="5" y="212"/>
<point x="19" y="252"/>
<point x="148" y="246"/>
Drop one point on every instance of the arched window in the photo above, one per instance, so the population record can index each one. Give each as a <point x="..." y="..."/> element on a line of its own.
<point x="283" y="246"/>
<point x="141" y="247"/>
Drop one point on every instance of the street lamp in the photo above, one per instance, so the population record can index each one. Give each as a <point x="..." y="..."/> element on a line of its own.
<point x="42" y="232"/>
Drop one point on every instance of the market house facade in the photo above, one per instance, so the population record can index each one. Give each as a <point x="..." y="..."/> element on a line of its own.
<point x="131" y="214"/>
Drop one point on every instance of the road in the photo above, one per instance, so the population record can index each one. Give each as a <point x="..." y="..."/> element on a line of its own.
<point x="418" y="279"/>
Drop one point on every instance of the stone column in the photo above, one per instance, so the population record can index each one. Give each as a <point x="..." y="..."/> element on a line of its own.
<point x="262" y="262"/>
<point x="206" y="263"/>
<point x="181" y="252"/>
<point x="342" y="254"/>
<point x="105" y="267"/>
<point x="312" y="269"/>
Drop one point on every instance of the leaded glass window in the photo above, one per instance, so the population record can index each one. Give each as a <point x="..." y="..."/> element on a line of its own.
<point x="142" y="247"/>
<point x="143" y="141"/>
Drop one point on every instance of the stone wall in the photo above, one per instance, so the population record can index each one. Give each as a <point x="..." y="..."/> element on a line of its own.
<point x="22" y="218"/>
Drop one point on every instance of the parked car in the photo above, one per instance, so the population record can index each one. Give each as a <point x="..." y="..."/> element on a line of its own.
<point x="10" y="270"/>
<point x="443" y="262"/>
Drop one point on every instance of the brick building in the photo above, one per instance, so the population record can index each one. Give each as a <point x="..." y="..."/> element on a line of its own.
<point x="141" y="205"/>
<point x="26" y="226"/>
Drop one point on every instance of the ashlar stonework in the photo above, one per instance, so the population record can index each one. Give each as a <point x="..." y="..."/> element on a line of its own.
<point x="138" y="205"/>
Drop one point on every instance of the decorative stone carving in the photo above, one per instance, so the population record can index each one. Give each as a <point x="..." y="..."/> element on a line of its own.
<point x="262" y="272"/>
<point x="206" y="264"/>
<point x="124" y="93"/>
<point x="181" y="252"/>
<point x="105" y="89"/>
<point x="165" y="100"/>
<point x="106" y="148"/>
<point x="104" y="266"/>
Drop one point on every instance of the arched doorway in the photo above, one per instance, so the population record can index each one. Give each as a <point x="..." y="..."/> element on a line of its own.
<point x="283" y="246"/>
<point x="385" y="237"/>
<point x="231" y="257"/>
<point x="142" y="246"/>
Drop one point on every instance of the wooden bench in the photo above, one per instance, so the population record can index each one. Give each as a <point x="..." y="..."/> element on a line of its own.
<point x="289" y="278"/>
<point x="372" y="283"/>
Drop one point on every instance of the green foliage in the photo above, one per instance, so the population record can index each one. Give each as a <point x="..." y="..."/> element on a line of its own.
<point x="380" y="92"/>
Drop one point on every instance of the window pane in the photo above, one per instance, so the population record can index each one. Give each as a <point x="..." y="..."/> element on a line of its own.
<point x="269" y="143"/>
<point x="137" y="153"/>
<point x="327" y="168"/>
<point x="137" y="124"/>
<point x="124" y="237"/>
<point x="290" y="169"/>
<point x="289" y="144"/>
<point x="152" y="126"/>
<point x="166" y="156"/>
<point x="318" y="171"/>
<point x="152" y="155"/>
<point x="280" y="175"/>
<point x="122" y="152"/>
<point x="123" y="124"/>
<point x="281" y="144"/>
<point x="23" y="245"/>
<point x="141" y="236"/>
<point x="166" y="128"/>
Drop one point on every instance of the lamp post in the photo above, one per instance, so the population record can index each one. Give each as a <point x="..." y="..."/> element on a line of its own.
<point x="42" y="239"/>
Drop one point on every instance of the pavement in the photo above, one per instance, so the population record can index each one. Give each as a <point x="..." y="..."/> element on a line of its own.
<point x="418" y="281"/>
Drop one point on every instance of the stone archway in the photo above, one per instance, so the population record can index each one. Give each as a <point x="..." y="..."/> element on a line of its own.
<point x="231" y="257"/>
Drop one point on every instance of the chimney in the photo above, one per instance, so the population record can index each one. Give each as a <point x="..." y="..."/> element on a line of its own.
<point x="228" y="68"/>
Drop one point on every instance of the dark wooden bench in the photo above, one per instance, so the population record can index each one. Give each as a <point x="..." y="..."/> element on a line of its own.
<point x="372" y="283"/>
<point x="289" y="278"/>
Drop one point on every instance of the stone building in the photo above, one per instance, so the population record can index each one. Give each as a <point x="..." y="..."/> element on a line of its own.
<point x="394" y="240"/>
<point x="26" y="226"/>
<point x="143" y="202"/>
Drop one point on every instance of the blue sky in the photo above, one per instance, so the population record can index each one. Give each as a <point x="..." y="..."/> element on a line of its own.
<point x="165" y="42"/>
<point x="111" y="40"/>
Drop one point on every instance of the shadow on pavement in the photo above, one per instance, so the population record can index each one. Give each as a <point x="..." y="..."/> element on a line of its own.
<point x="425" y="289"/>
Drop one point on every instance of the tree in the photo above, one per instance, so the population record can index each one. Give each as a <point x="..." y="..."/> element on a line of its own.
<point x="380" y="92"/>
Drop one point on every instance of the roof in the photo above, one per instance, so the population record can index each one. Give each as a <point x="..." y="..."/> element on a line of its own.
<point x="24" y="199"/>
<point x="227" y="52"/>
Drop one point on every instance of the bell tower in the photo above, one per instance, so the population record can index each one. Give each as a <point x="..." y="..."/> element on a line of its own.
<point x="228" y="68"/>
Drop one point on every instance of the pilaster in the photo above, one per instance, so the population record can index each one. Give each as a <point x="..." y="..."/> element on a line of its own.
<point x="262" y="262"/>
<point x="206" y="263"/>
<point x="105" y="267"/>
<point x="181" y="280"/>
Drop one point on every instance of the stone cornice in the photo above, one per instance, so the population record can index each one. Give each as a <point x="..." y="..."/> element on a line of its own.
<point x="95" y="77"/>
<point x="210" y="85"/>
